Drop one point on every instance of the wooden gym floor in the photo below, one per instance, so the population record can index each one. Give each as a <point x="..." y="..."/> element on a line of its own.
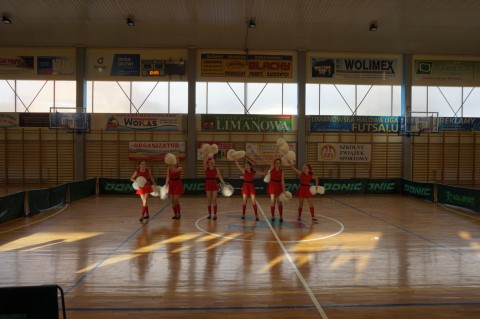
<point x="382" y="256"/>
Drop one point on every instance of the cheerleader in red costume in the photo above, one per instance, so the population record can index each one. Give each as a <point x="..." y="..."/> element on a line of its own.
<point x="275" y="187"/>
<point x="248" y="188"/>
<point x="144" y="192"/>
<point x="175" y="188"/>
<point x="306" y="175"/>
<point x="211" y="187"/>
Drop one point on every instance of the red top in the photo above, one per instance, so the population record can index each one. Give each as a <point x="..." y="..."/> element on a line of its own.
<point x="174" y="175"/>
<point x="305" y="179"/>
<point x="211" y="173"/>
<point x="275" y="176"/>
<point x="248" y="176"/>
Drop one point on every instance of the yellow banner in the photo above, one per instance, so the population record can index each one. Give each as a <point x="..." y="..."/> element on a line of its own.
<point x="246" y="66"/>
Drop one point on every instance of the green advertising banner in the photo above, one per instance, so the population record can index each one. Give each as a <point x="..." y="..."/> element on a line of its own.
<point x="384" y="186"/>
<point x="344" y="186"/>
<point x="115" y="186"/>
<point x="420" y="190"/>
<point x="40" y="200"/>
<point x="82" y="189"/>
<point x="12" y="206"/>
<point x="196" y="186"/>
<point x="459" y="196"/>
<point x="246" y="123"/>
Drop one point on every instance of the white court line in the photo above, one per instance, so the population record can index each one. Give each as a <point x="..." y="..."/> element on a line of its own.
<point x="294" y="266"/>
<point x="35" y="222"/>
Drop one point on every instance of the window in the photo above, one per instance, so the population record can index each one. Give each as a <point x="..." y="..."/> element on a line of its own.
<point x="246" y="98"/>
<point x="335" y="99"/>
<point x="447" y="101"/>
<point x="137" y="97"/>
<point x="36" y="96"/>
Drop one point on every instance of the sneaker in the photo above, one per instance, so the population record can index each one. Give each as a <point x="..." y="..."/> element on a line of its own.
<point x="273" y="219"/>
<point x="178" y="216"/>
<point x="146" y="216"/>
<point x="209" y="216"/>
<point x="174" y="217"/>
<point x="314" y="220"/>
<point x="243" y="217"/>
<point x="281" y="220"/>
<point x="299" y="219"/>
<point x="257" y="219"/>
<point x="141" y="219"/>
<point x="214" y="217"/>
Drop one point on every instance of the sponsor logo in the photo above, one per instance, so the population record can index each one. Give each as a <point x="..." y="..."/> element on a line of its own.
<point x="417" y="190"/>
<point x="343" y="186"/>
<point x="459" y="198"/>
<point x="116" y="187"/>
<point x="388" y="186"/>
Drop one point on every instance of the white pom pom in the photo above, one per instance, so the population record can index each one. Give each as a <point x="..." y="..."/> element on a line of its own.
<point x="267" y="178"/>
<point x="313" y="190"/>
<point x="285" y="161"/>
<point x="213" y="149"/>
<point x="230" y="154"/>
<point x="321" y="190"/>
<point x="227" y="191"/>
<point x="205" y="148"/>
<point x="280" y="141"/>
<point x="170" y="159"/>
<point x="156" y="191"/>
<point x="239" y="154"/>
<point x="285" y="197"/>
<point x="291" y="156"/>
<point x="283" y="149"/>
<point x="135" y="186"/>
<point x="141" y="181"/>
<point x="164" y="192"/>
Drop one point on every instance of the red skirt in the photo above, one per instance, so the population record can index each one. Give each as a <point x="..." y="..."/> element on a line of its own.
<point x="146" y="189"/>
<point x="304" y="192"/>
<point x="274" y="188"/>
<point x="248" y="189"/>
<point x="175" y="187"/>
<point x="211" y="185"/>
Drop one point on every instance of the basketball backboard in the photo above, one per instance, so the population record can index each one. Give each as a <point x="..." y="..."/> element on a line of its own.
<point x="74" y="119"/>
<point x="416" y="123"/>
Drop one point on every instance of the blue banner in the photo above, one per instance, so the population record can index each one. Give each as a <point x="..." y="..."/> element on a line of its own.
<point x="126" y="65"/>
<point x="458" y="124"/>
<point x="355" y="124"/>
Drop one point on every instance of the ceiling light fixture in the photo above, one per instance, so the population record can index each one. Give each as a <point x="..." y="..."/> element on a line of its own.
<point x="6" y="20"/>
<point x="130" y="22"/>
<point x="373" y="27"/>
<point x="252" y="24"/>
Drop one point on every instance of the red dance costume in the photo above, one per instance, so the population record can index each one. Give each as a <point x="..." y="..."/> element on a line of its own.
<point x="248" y="187"/>
<point x="211" y="182"/>
<point x="275" y="184"/>
<point x="175" y="185"/>
<point x="304" y="187"/>
<point x="147" y="188"/>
